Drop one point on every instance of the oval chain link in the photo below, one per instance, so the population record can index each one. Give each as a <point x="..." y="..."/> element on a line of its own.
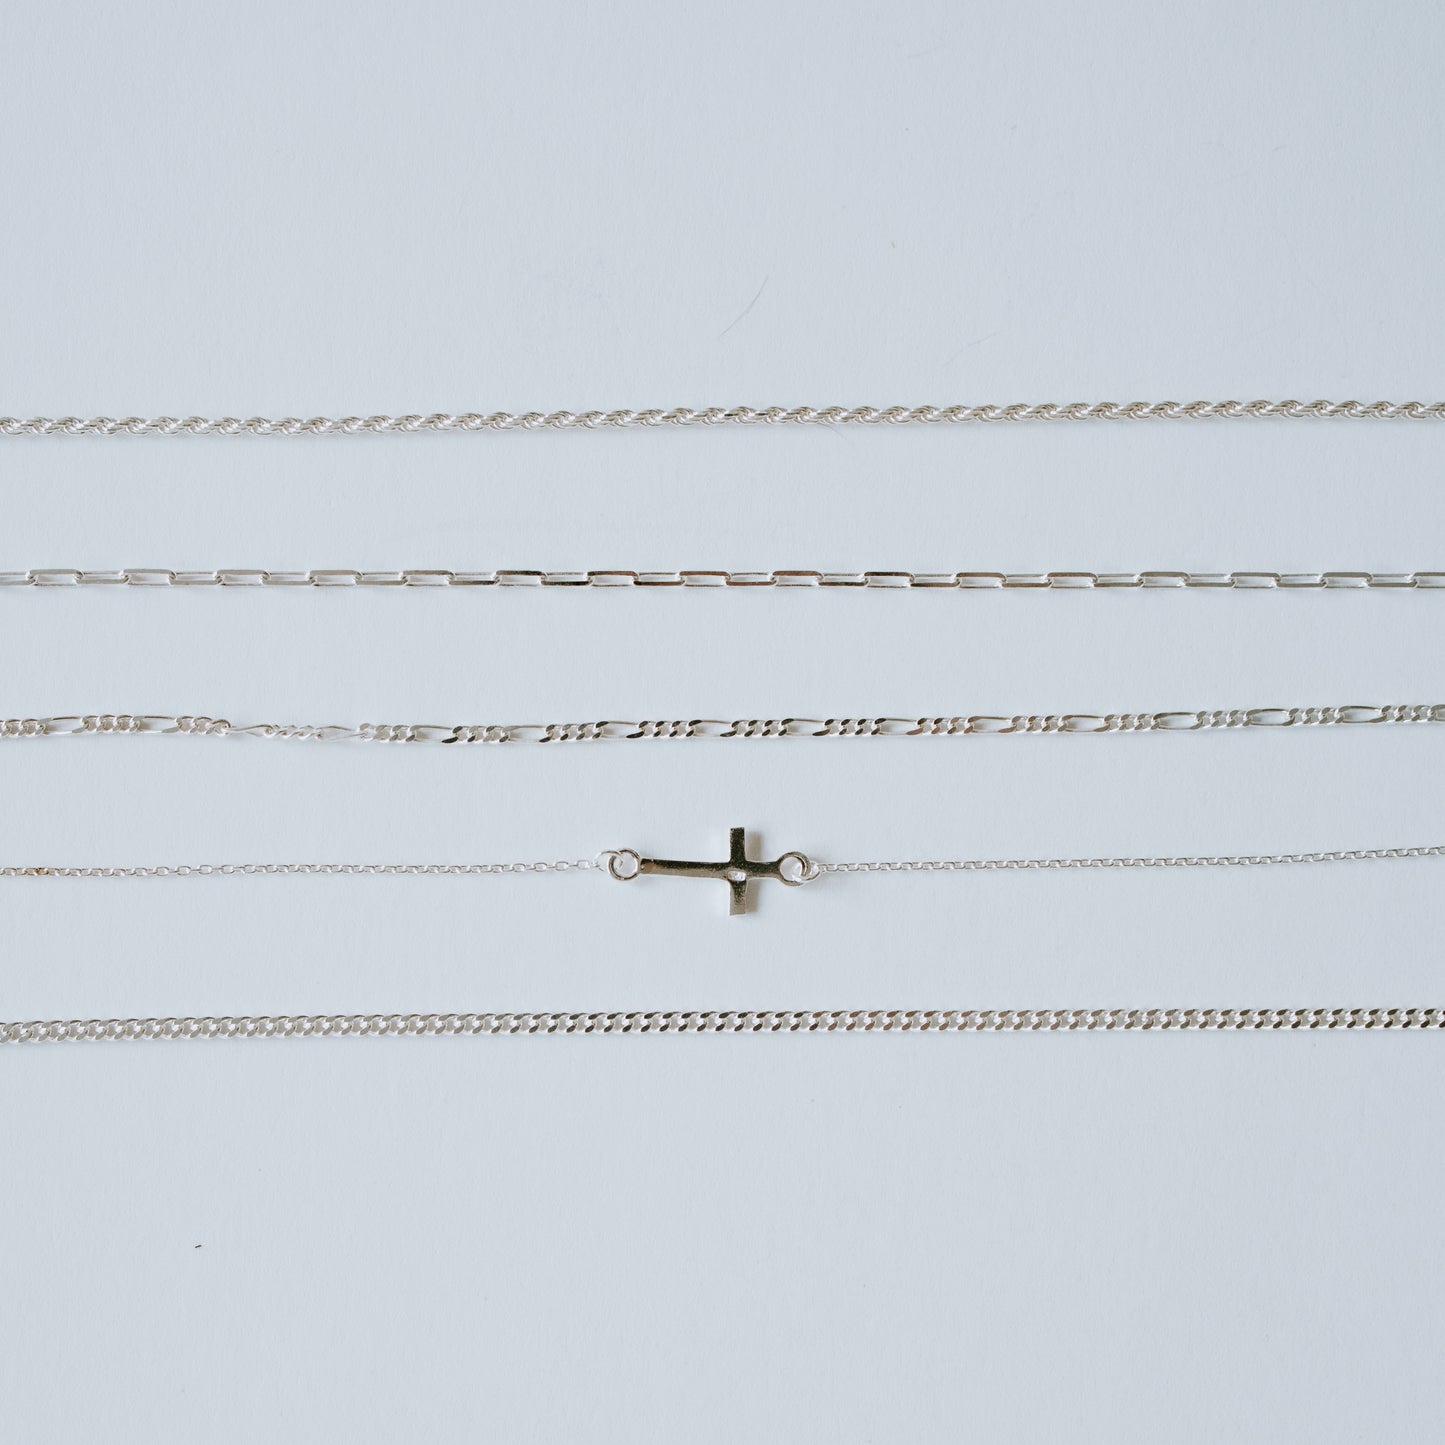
<point x="129" y="724"/>
<point x="778" y="578"/>
<point x="1202" y="860"/>
<point x="950" y="1021"/>
<point x="684" y="416"/>
<point x="251" y="870"/>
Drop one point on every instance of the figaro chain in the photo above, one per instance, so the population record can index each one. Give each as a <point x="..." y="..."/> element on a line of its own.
<point x="682" y="728"/>
<point x="716" y="416"/>
<point x="771" y="1021"/>
<point x="599" y="579"/>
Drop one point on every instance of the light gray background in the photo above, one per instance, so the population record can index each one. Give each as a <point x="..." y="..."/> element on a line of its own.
<point x="328" y="209"/>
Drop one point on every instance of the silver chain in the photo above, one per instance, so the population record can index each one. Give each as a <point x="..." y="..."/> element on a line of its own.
<point x="1204" y="860"/>
<point x="251" y="870"/>
<point x="701" y="577"/>
<point x="809" y="869"/>
<point x="787" y="727"/>
<point x="715" y="416"/>
<point x="826" y="1021"/>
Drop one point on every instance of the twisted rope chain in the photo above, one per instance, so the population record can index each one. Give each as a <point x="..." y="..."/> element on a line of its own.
<point x="827" y="1021"/>
<point x="811" y="869"/>
<point x="714" y="416"/>
<point x="779" y="577"/>
<point x="788" y="727"/>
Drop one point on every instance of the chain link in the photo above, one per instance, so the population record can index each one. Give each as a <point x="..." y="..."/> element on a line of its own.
<point x="250" y="870"/>
<point x="809" y="869"/>
<point x="1206" y="860"/>
<point x="827" y="1021"/>
<point x="318" y="577"/>
<point x="715" y="416"/>
<point x="682" y="728"/>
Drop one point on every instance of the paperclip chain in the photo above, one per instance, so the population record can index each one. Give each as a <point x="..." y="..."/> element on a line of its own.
<point x="681" y="728"/>
<point x="716" y="416"/>
<point x="827" y="1021"/>
<point x="805" y="578"/>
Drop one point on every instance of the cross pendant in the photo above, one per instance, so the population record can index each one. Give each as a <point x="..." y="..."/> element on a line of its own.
<point x="737" y="872"/>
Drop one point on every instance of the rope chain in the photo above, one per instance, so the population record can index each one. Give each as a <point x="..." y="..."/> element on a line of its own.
<point x="828" y="1021"/>
<point x="716" y="416"/>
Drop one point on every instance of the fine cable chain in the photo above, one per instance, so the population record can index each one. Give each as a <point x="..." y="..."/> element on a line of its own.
<point x="250" y="870"/>
<point x="805" y="578"/>
<point x="772" y="1021"/>
<point x="808" y="870"/>
<point x="717" y="416"/>
<point x="97" y="724"/>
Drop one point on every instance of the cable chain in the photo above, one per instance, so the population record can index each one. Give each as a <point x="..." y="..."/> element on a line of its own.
<point x="716" y="416"/>
<point x="318" y="577"/>
<point x="810" y="868"/>
<point x="788" y="727"/>
<point x="752" y="1022"/>
<point x="1204" y="860"/>
<point x="249" y="870"/>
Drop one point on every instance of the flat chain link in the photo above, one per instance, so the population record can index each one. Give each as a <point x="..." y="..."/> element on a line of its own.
<point x="825" y="1021"/>
<point x="785" y="577"/>
<point x="130" y="724"/>
<point x="716" y="416"/>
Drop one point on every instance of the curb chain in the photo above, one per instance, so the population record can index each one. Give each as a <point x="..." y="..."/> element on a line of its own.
<point x="750" y="1022"/>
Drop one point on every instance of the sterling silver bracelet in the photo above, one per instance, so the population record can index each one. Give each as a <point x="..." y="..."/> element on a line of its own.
<point x="186" y="724"/>
<point x="170" y="426"/>
<point x="599" y="579"/>
<point x="737" y="870"/>
<point x="771" y="1021"/>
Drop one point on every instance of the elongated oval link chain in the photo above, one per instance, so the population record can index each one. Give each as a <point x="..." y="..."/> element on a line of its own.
<point x="779" y="578"/>
<point x="716" y="416"/>
<point x="129" y="724"/>
<point x="824" y="1021"/>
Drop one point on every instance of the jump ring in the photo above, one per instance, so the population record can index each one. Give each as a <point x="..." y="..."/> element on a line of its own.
<point x="613" y="859"/>
<point x="795" y="869"/>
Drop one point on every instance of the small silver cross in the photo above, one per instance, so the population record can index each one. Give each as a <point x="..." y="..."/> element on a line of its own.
<point x="737" y="872"/>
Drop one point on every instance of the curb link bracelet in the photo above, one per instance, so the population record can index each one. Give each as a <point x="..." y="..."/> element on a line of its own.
<point x="127" y="724"/>
<point x="737" y="870"/>
<point x="826" y="1021"/>
<point x="717" y="416"/>
<point x="795" y="577"/>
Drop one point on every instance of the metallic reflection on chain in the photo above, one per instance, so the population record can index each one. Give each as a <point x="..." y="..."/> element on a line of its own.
<point x="130" y="724"/>
<point x="625" y="864"/>
<point x="717" y="416"/>
<point x="829" y="1021"/>
<point x="778" y="578"/>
